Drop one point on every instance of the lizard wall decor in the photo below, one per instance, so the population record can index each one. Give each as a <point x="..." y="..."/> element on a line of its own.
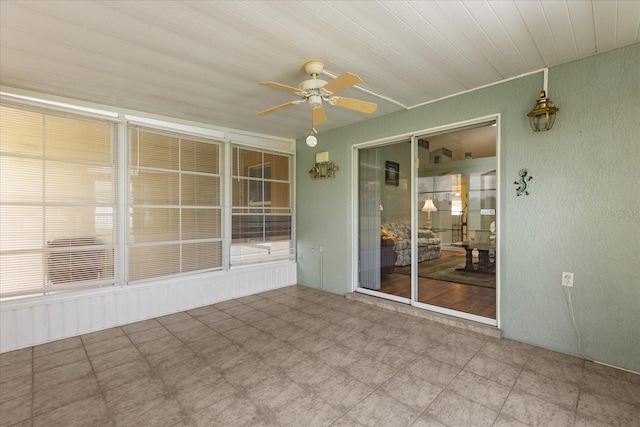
<point x="523" y="182"/>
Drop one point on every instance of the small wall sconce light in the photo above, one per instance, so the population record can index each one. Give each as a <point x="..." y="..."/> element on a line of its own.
<point x="543" y="114"/>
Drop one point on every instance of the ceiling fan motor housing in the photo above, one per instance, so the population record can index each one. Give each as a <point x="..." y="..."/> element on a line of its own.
<point x="313" y="68"/>
<point x="312" y="88"/>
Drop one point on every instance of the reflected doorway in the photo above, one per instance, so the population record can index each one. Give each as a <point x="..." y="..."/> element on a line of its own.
<point x="454" y="232"/>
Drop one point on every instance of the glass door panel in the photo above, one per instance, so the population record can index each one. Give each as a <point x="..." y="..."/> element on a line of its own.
<point x="456" y="190"/>
<point x="384" y="223"/>
<point x="369" y="221"/>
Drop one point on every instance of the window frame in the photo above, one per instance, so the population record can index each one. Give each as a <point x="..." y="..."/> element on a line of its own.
<point x="265" y="210"/>
<point x="180" y="242"/>
<point x="81" y="251"/>
<point x="121" y="183"/>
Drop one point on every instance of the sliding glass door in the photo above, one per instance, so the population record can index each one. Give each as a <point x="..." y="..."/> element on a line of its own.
<point x="429" y="238"/>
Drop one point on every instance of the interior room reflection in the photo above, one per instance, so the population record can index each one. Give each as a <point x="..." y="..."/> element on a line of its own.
<point x="456" y="190"/>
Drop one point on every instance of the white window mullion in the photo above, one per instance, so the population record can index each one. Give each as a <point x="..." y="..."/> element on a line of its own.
<point x="180" y="206"/>
<point x="227" y="170"/>
<point x="124" y="190"/>
<point x="44" y="190"/>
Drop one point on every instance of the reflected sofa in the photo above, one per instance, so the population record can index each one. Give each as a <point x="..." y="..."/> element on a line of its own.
<point x="429" y="246"/>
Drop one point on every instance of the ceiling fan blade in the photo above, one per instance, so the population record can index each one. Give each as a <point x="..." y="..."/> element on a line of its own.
<point x="318" y="116"/>
<point x="279" y="107"/>
<point x="280" y="86"/>
<point x="355" y="104"/>
<point x="342" y="82"/>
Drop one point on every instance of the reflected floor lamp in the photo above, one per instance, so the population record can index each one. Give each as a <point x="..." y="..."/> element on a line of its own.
<point x="428" y="208"/>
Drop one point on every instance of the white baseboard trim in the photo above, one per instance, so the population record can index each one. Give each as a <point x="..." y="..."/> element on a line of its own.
<point x="38" y="320"/>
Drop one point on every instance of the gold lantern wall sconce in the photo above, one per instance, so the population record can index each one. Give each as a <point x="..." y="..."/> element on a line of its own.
<point x="543" y="115"/>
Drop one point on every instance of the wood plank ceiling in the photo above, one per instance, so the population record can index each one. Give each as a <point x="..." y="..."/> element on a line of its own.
<point x="202" y="60"/>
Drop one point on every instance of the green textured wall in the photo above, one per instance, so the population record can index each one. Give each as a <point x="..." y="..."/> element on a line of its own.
<point x="583" y="214"/>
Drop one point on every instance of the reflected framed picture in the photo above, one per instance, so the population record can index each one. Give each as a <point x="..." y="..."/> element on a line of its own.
<point x="391" y="173"/>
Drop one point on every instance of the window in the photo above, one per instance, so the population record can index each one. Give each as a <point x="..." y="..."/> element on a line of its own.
<point x="75" y="215"/>
<point x="175" y="204"/>
<point x="58" y="193"/>
<point x="261" y="211"/>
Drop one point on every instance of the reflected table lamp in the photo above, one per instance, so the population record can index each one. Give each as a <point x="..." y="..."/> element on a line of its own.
<point x="428" y="208"/>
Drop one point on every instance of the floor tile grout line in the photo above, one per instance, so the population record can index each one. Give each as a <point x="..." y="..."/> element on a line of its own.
<point x="342" y="369"/>
<point x="261" y="357"/>
<point x="373" y="390"/>
<point x="578" y="385"/>
<point x="404" y="369"/>
<point x="33" y="383"/>
<point x="261" y="410"/>
<point x="453" y="379"/>
<point x="512" y="389"/>
<point x="100" y="388"/>
<point x="154" y="374"/>
<point x="33" y="373"/>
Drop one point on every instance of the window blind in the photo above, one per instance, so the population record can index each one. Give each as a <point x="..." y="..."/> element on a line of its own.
<point x="175" y="223"/>
<point x="58" y="195"/>
<point x="261" y="211"/>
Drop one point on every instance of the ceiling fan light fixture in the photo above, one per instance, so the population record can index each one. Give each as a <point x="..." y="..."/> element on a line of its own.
<point x="315" y="101"/>
<point x="312" y="141"/>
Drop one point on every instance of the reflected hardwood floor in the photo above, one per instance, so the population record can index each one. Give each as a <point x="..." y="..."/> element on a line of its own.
<point x="471" y="299"/>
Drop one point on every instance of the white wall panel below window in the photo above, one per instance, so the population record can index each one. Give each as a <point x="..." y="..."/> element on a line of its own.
<point x="38" y="320"/>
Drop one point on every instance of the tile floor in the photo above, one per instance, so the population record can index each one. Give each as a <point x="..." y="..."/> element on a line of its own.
<point x="301" y="357"/>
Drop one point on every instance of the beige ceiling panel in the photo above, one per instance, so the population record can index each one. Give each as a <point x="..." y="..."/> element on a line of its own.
<point x="628" y="22"/>
<point x="581" y="18"/>
<point x="439" y="53"/>
<point x="510" y="19"/>
<point x="500" y="39"/>
<point x="202" y="60"/>
<point x="605" y="15"/>
<point x="559" y="23"/>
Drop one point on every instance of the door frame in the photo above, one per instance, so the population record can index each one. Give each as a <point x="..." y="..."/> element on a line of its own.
<point x="414" y="208"/>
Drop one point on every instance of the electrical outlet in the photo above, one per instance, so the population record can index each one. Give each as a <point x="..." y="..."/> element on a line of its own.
<point x="321" y="249"/>
<point x="567" y="279"/>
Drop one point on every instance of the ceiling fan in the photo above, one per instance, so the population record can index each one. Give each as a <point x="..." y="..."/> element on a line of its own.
<point x="315" y="90"/>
